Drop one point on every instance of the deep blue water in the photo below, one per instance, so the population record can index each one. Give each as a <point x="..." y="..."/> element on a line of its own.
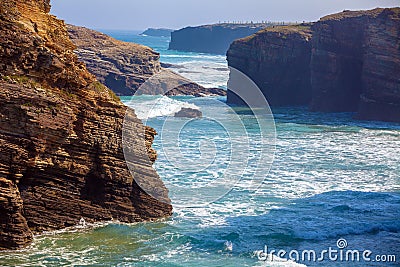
<point x="301" y="181"/>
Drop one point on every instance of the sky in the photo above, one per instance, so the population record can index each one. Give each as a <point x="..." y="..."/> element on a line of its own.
<point x="176" y="14"/>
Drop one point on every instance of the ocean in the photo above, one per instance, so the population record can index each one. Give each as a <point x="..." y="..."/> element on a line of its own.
<point x="320" y="189"/>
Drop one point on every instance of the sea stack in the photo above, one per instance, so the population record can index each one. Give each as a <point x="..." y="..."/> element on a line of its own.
<point x="61" y="144"/>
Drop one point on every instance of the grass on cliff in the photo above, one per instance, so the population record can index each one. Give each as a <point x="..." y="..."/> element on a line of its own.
<point x="284" y="30"/>
<point x="21" y="79"/>
<point x="27" y="81"/>
<point x="101" y="88"/>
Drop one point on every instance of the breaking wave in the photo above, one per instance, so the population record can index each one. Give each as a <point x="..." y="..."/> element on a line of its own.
<point x="156" y="106"/>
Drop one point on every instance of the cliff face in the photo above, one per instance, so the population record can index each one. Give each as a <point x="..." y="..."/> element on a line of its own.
<point x="213" y="39"/>
<point x="277" y="60"/>
<point x="121" y="66"/>
<point x="124" y="67"/>
<point x="354" y="64"/>
<point x="337" y="62"/>
<point x="61" y="155"/>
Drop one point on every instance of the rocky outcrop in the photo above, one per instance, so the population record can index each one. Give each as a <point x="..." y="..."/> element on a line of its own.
<point x="354" y="64"/>
<point x="196" y="90"/>
<point x="162" y="32"/>
<point x="150" y="134"/>
<point x="61" y="148"/>
<point x="214" y="39"/>
<point x="14" y="229"/>
<point x="121" y="66"/>
<point x="277" y="60"/>
<point x="124" y="67"/>
<point x="188" y="113"/>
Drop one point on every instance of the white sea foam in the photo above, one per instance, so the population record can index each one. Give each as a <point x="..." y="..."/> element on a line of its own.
<point x="79" y="227"/>
<point x="196" y="56"/>
<point x="275" y="261"/>
<point x="157" y="106"/>
<point x="208" y="74"/>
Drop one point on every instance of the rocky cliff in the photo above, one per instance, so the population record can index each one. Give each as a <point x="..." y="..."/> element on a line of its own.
<point x="121" y="66"/>
<point x="214" y="39"/>
<point x="355" y="64"/>
<point x="61" y="150"/>
<point x="124" y="67"/>
<point x="277" y="60"/>
<point x="351" y="63"/>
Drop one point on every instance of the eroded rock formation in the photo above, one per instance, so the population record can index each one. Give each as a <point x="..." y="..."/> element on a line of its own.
<point x="61" y="150"/>
<point x="355" y="64"/>
<point x="277" y="60"/>
<point x="121" y="66"/>
<point x="124" y="67"/>
<point x="352" y="63"/>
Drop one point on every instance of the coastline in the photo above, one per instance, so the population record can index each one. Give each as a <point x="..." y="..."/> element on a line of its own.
<point x="223" y="189"/>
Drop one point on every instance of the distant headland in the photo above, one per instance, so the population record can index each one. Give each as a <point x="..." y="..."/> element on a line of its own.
<point x="160" y="32"/>
<point x="213" y="38"/>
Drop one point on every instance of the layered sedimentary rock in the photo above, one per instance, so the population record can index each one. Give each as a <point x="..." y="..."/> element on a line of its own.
<point x="277" y="59"/>
<point x="61" y="149"/>
<point x="354" y="64"/>
<point x="214" y="38"/>
<point x="13" y="226"/>
<point x="124" y="67"/>
<point x="121" y="66"/>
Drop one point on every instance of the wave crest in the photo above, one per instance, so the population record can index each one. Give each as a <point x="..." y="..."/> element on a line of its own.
<point x="156" y="106"/>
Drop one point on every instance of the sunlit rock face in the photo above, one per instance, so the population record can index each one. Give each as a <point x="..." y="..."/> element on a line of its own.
<point x="61" y="154"/>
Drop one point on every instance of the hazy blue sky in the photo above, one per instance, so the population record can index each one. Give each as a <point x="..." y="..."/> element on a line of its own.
<point x="138" y="15"/>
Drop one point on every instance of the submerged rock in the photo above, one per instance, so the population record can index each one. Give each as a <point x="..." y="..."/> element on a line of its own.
<point x="189" y="113"/>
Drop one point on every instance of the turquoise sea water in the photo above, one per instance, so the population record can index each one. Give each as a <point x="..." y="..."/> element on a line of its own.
<point x="331" y="178"/>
